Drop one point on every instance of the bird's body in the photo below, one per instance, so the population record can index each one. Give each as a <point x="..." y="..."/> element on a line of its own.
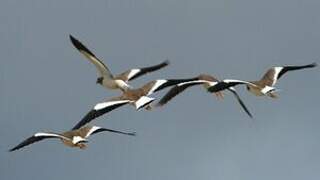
<point x="256" y="88"/>
<point x="208" y="82"/>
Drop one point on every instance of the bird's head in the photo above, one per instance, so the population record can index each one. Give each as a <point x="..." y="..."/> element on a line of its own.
<point x="248" y="87"/>
<point x="99" y="80"/>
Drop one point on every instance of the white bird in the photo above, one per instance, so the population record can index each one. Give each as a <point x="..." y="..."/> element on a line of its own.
<point x="266" y="85"/>
<point x="207" y="81"/>
<point x="136" y="97"/>
<point x="106" y="78"/>
<point x="73" y="138"/>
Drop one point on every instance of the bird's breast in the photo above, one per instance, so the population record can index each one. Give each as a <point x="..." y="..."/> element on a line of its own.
<point x="110" y="84"/>
<point x="255" y="90"/>
<point x="68" y="143"/>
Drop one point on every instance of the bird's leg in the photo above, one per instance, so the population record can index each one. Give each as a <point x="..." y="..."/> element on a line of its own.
<point x="148" y="107"/>
<point x="273" y="95"/>
<point x="82" y="145"/>
<point x="219" y="95"/>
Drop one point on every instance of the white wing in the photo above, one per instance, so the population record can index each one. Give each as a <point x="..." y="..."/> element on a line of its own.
<point x="99" y="110"/>
<point x="143" y="101"/>
<point x="236" y="82"/>
<point x="102" y="68"/>
<point x="227" y="83"/>
<point x="156" y="85"/>
<point x="96" y="129"/>
<point x="38" y="137"/>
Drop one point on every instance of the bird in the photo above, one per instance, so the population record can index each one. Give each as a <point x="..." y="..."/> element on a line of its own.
<point x="73" y="138"/>
<point x="106" y="78"/>
<point x="203" y="79"/>
<point x="137" y="97"/>
<point x="266" y="85"/>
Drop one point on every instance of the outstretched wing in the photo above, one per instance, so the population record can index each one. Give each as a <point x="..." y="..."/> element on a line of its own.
<point x="271" y="77"/>
<point x="234" y="92"/>
<point x="143" y="101"/>
<point x="100" y="109"/>
<point x="177" y="89"/>
<point x="227" y="83"/>
<point x="158" y="85"/>
<point x="102" y="68"/>
<point x="96" y="129"/>
<point x="35" y="138"/>
<point x="135" y="73"/>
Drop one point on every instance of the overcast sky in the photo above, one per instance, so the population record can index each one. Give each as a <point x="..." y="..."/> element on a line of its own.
<point x="47" y="85"/>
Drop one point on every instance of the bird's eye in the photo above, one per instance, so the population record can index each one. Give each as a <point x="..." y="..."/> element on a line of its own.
<point x="248" y="88"/>
<point x="99" y="80"/>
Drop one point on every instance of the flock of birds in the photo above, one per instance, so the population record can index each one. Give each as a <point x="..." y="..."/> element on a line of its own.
<point x="141" y="97"/>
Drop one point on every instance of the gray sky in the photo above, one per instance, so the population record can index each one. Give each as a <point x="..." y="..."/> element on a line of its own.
<point x="47" y="85"/>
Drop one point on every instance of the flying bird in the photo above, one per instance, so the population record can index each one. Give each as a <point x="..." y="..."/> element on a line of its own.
<point x="136" y="97"/>
<point x="73" y="138"/>
<point x="206" y="81"/>
<point x="266" y="85"/>
<point x="106" y="78"/>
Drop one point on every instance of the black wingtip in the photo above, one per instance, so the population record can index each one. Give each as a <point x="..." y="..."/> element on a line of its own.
<point x="14" y="149"/>
<point x="72" y="38"/>
<point x="166" y="62"/>
<point x="313" y="64"/>
<point x="75" y="41"/>
<point x="234" y="92"/>
<point x="159" y="66"/>
<point x="132" y="134"/>
<point x="77" y="44"/>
